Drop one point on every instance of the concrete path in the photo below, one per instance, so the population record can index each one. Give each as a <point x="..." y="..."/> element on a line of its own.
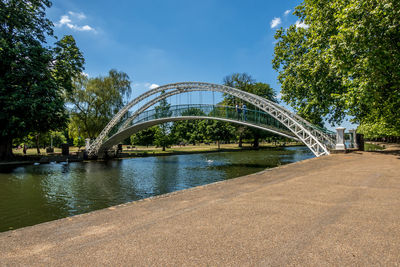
<point x="335" y="210"/>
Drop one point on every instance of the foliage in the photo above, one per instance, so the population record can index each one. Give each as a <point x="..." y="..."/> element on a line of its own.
<point x="145" y="137"/>
<point x="44" y="139"/>
<point x="245" y="82"/>
<point x="188" y="131"/>
<point x="79" y="142"/>
<point x="378" y="129"/>
<point x="94" y="101"/>
<point x="217" y="131"/>
<point x="58" y="138"/>
<point x="163" y="136"/>
<point x="347" y="62"/>
<point x="33" y="77"/>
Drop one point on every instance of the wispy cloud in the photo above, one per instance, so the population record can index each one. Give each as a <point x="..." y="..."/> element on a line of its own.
<point x="145" y="85"/>
<point x="287" y="12"/>
<point x="153" y="86"/>
<point x="301" y="24"/>
<point x="71" y="19"/>
<point x="275" y="22"/>
<point x="79" y="16"/>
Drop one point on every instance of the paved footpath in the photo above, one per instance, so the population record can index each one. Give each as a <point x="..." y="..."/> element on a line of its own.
<point x="335" y="210"/>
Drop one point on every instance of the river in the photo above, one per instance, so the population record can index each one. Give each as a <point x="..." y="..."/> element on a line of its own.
<point x="38" y="193"/>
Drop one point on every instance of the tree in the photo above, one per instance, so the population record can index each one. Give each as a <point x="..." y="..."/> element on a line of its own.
<point x="245" y="82"/>
<point x="162" y="135"/>
<point x="145" y="137"/>
<point x="188" y="130"/>
<point x="33" y="78"/>
<point x="79" y="142"/>
<point x="94" y="101"/>
<point x="217" y="131"/>
<point x="346" y="61"/>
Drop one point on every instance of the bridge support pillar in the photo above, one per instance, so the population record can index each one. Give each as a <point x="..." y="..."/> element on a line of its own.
<point x="353" y="138"/>
<point x="340" y="145"/>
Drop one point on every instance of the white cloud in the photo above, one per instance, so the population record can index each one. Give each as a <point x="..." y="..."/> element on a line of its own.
<point x="64" y="20"/>
<point x="301" y="24"/>
<point x="287" y="12"/>
<point x="279" y="96"/>
<point x="70" y="22"/>
<point x="86" y="28"/>
<point x="275" y="22"/>
<point x="153" y="85"/>
<point x="145" y="85"/>
<point x="79" y="16"/>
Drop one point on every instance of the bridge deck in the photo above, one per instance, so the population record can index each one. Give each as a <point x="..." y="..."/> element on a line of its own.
<point x="334" y="210"/>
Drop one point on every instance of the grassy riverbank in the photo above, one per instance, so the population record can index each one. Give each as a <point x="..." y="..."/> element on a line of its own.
<point x="202" y="148"/>
<point x="158" y="150"/>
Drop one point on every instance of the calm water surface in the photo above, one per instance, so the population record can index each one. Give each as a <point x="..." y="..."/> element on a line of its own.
<point x="33" y="194"/>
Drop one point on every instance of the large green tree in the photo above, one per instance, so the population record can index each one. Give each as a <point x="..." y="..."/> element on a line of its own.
<point x="218" y="131"/>
<point x="144" y="137"/>
<point x="245" y="82"/>
<point x="33" y="77"/>
<point x="94" y="101"/>
<point x="345" y="60"/>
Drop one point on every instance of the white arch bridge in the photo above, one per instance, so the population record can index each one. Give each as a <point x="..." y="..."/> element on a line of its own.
<point x="270" y="117"/>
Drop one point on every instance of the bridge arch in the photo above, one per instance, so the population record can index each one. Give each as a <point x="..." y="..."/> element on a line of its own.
<point x="316" y="139"/>
<point x="122" y="135"/>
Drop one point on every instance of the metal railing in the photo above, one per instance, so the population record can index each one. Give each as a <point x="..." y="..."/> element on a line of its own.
<point x="255" y="117"/>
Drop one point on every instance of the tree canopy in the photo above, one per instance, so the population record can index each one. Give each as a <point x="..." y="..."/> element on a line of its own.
<point x="245" y="82"/>
<point x="33" y="77"/>
<point x="94" y="101"/>
<point x="345" y="61"/>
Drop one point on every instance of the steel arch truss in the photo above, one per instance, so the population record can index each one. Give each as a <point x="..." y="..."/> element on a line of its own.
<point x="120" y="136"/>
<point x="316" y="139"/>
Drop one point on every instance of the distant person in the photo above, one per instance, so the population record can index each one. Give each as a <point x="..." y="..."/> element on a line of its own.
<point x="239" y="111"/>
<point x="244" y="111"/>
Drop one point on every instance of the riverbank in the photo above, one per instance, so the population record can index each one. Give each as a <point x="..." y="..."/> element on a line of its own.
<point x="334" y="210"/>
<point x="132" y="152"/>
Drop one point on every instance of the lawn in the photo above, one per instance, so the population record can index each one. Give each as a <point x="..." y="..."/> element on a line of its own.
<point x="158" y="150"/>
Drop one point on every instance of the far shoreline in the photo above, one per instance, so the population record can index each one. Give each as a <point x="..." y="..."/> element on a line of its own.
<point x="22" y="160"/>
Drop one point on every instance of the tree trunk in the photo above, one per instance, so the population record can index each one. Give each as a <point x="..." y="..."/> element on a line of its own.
<point x="163" y="148"/>
<point x="256" y="142"/>
<point x="6" y="148"/>
<point x="240" y="141"/>
<point x="218" y="144"/>
<point x="37" y="143"/>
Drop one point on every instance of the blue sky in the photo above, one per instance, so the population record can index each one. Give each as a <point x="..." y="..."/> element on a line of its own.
<point x="158" y="41"/>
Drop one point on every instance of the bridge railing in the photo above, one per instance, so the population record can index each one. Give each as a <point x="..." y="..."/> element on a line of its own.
<point x="256" y="117"/>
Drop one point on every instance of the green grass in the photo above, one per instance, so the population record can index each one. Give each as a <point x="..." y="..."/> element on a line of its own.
<point x="196" y="148"/>
<point x="372" y="147"/>
<point x="33" y="151"/>
<point x="143" y="150"/>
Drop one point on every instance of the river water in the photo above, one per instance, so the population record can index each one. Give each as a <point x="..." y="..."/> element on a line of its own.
<point x="38" y="193"/>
